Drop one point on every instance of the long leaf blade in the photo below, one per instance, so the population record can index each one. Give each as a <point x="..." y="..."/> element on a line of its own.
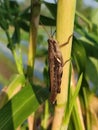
<point x="20" y="107"/>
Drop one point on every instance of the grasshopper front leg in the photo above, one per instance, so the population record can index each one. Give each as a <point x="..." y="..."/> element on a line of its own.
<point x="64" y="44"/>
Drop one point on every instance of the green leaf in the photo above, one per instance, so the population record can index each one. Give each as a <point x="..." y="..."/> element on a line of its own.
<point x="52" y="8"/>
<point x="15" y="82"/>
<point x="88" y="22"/>
<point x="24" y="25"/>
<point x="90" y="43"/>
<point x="13" y="7"/>
<point x="47" y="21"/>
<point x="3" y="22"/>
<point x="16" y="34"/>
<point x="74" y="95"/>
<point x="92" y="73"/>
<point x="72" y="101"/>
<point x="94" y="16"/>
<point x="25" y="14"/>
<point x="79" y="55"/>
<point x="21" y="106"/>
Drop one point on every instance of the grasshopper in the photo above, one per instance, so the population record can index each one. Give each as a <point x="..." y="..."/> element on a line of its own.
<point x="56" y="65"/>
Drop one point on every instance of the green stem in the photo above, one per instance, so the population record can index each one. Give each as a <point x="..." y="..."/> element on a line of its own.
<point x="65" y="23"/>
<point x="46" y="116"/>
<point x="18" y="60"/>
<point x="35" y="13"/>
<point x="17" y="57"/>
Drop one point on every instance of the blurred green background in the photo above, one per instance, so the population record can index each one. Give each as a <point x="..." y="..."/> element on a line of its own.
<point x="89" y="8"/>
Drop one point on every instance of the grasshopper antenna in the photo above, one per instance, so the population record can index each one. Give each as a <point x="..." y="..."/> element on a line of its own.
<point x="53" y="33"/>
<point x="45" y="29"/>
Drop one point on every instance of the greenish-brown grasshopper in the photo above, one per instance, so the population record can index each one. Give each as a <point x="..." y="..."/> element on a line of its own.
<point x="56" y="65"/>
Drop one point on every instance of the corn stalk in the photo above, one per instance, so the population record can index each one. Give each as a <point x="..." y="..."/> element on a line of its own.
<point x="65" y="24"/>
